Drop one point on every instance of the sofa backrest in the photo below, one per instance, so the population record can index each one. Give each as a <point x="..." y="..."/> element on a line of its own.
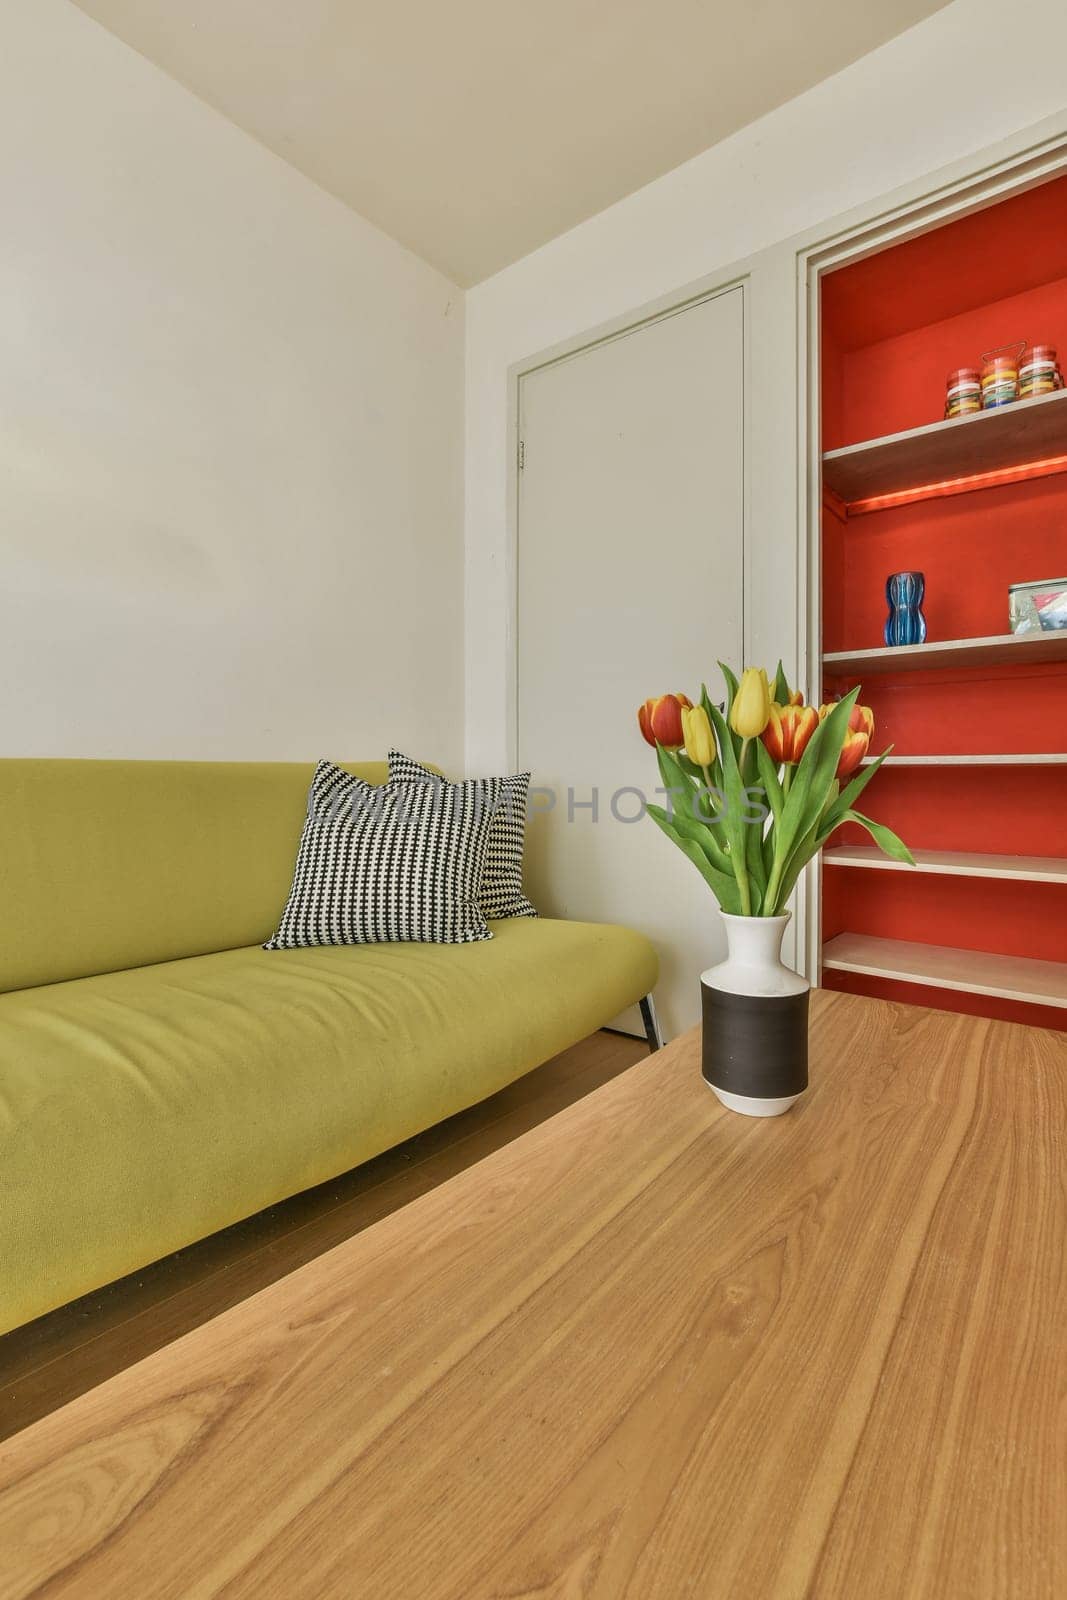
<point x="112" y="864"/>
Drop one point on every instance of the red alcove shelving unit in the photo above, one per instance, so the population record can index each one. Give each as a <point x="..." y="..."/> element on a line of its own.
<point x="978" y="779"/>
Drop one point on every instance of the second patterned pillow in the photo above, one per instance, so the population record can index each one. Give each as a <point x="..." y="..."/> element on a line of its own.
<point x="501" y="893"/>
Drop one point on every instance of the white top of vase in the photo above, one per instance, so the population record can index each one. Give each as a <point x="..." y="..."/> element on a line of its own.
<point x="754" y="963"/>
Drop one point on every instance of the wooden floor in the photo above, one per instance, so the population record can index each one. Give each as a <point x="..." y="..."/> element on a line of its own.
<point x="54" y="1359"/>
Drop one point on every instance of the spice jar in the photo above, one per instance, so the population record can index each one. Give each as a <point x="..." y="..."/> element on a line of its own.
<point x="963" y="395"/>
<point x="1000" y="379"/>
<point x="1039" y="371"/>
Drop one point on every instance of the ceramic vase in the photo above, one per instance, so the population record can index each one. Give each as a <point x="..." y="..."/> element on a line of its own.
<point x="755" y="1016"/>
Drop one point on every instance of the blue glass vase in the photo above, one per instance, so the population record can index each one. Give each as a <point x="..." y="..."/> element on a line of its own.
<point x="905" y="623"/>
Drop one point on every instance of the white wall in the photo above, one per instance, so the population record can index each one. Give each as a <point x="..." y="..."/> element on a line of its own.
<point x="970" y="75"/>
<point x="230" y="434"/>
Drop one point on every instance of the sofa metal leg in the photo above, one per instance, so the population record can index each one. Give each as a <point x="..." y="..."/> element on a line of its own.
<point x="651" y="1021"/>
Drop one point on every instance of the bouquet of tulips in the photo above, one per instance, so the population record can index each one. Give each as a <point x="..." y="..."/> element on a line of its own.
<point x="758" y="786"/>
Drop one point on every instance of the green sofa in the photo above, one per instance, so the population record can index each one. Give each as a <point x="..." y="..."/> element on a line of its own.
<point x="162" y="1077"/>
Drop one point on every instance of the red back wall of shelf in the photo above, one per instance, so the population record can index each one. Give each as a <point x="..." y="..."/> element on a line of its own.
<point x="995" y="810"/>
<point x="893" y="326"/>
<point x="971" y="548"/>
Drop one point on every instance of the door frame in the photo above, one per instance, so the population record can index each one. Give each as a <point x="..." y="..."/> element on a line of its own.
<point x="1029" y="158"/>
<point x="711" y="287"/>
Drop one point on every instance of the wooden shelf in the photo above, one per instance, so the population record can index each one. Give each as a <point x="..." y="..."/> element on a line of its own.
<point x="1019" y="435"/>
<point x="953" y="863"/>
<point x="1050" y="759"/>
<point x="941" y="967"/>
<point x="998" y="650"/>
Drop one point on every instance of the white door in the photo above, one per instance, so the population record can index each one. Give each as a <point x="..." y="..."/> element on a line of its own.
<point x="629" y="584"/>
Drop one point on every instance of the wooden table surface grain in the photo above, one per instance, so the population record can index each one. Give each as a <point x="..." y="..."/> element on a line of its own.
<point x="650" y="1350"/>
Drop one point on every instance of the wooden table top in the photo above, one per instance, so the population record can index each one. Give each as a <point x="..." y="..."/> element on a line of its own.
<point x="649" y="1350"/>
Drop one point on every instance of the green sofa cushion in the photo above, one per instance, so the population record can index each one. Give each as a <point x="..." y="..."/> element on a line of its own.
<point x="144" y="1109"/>
<point x="112" y="864"/>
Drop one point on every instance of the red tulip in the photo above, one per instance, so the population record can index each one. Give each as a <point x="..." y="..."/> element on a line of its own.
<point x="852" y="752"/>
<point x="660" y="720"/>
<point x="786" y="735"/>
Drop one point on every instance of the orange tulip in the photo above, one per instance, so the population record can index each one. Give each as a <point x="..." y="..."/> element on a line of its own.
<point x="860" y="718"/>
<point x="852" y="753"/>
<point x="796" y="697"/>
<point x="786" y="735"/>
<point x="660" y="720"/>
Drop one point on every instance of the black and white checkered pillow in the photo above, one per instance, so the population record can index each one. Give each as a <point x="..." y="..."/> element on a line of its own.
<point x="400" y="863"/>
<point x="501" y="894"/>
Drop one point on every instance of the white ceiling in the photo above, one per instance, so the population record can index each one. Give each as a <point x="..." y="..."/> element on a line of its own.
<point x="475" y="130"/>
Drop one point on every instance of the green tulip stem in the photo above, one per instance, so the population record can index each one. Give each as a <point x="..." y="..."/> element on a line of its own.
<point x="742" y="883"/>
<point x="740" y="869"/>
<point x="770" y="899"/>
<point x="741" y="874"/>
<point x="709" y="787"/>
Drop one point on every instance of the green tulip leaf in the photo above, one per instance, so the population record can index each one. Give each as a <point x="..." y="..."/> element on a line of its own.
<point x="706" y="701"/>
<point x="732" y="787"/>
<point x="682" y="780"/>
<point x="754" y="856"/>
<point x="697" y="774"/>
<point x="733" y="823"/>
<point x="676" y="780"/>
<point x="886" y="840"/>
<point x="704" y="835"/>
<point x="772" y="788"/>
<point x="716" y="766"/>
<point x="691" y="805"/>
<point x="731" y="688"/>
<point x="723" y="885"/>
<point x="811" y="786"/>
<point x="803" y="851"/>
<point x="772" y="784"/>
<point x="852" y="792"/>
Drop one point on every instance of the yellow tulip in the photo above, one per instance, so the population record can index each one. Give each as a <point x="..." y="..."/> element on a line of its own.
<point x="751" y="710"/>
<point x="699" y="738"/>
